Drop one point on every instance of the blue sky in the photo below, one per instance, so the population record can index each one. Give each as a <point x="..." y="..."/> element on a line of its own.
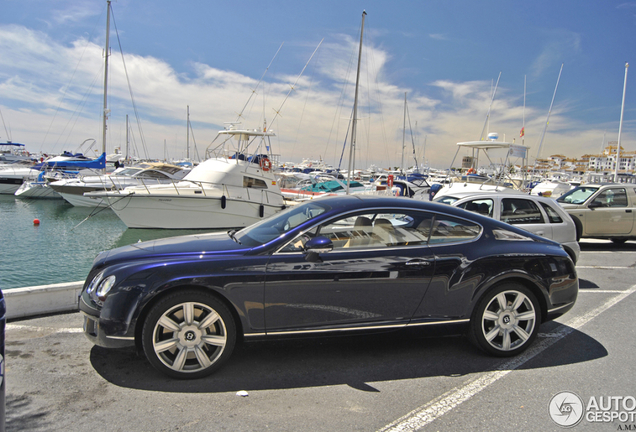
<point x="209" y="55"/>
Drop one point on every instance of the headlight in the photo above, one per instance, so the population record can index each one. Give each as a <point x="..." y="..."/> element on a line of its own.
<point x="104" y="287"/>
<point x="95" y="282"/>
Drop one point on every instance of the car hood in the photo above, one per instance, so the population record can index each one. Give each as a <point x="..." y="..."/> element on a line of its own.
<point x="568" y="206"/>
<point x="218" y="243"/>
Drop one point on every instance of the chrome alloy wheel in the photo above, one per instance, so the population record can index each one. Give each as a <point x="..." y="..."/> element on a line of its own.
<point x="509" y="320"/>
<point x="189" y="337"/>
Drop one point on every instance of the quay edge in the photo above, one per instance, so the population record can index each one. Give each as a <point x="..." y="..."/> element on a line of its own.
<point x="43" y="299"/>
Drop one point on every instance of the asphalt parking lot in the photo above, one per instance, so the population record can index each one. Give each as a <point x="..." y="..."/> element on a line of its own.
<point x="56" y="380"/>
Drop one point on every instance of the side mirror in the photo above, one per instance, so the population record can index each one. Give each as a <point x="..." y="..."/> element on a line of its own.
<point x="595" y="204"/>
<point x="318" y="245"/>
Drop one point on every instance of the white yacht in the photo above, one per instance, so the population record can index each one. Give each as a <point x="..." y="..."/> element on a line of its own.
<point x="233" y="188"/>
<point x="142" y="174"/>
<point x="501" y="179"/>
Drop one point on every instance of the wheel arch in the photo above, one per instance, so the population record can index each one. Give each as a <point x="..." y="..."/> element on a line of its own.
<point x="147" y="307"/>
<point x="578" y="225"/>
<point x="571" y="253"/>
<point x="533" y="287"/>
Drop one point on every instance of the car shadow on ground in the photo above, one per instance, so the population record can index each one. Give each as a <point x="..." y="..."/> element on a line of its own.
<point x="606" y="245"/>
<point x="336" y="361"/>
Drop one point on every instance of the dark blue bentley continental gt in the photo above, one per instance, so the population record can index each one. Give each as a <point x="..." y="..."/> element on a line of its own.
<point x="328" y="266"/>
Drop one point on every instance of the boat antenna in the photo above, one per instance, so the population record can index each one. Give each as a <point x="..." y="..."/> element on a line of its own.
<point x="492" y="99"/>
<point x="547" y="121"/>
<point x="620" y="127"/>
<point x="355" y="110"/>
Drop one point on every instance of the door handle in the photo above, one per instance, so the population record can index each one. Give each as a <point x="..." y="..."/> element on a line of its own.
<point x="628" y="211"/>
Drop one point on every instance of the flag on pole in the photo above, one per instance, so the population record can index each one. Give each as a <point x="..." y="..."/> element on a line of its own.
<point x="523" y="132"/>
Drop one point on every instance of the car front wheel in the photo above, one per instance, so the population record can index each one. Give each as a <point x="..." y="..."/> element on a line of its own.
<point x="188" y="334"/>
<point x="506" y="320"/>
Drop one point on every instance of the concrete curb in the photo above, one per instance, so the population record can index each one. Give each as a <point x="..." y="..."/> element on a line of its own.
<point x="43" y="299"/>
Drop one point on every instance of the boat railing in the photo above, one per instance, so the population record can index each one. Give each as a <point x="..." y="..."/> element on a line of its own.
<point x="229" y="191"/>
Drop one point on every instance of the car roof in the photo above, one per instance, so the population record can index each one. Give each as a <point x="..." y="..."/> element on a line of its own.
<point x="353" y="202"/>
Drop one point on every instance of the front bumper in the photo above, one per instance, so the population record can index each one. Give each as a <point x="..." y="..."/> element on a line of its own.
<point x="104" y="332"/>
<point x="96" y="334"/>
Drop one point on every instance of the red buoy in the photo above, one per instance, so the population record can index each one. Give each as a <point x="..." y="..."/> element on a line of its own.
<point x="36" y="221"/>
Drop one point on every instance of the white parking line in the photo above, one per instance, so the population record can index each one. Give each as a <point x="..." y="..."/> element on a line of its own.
<point x="603" y="267"/>
<point x="445" y="403"/>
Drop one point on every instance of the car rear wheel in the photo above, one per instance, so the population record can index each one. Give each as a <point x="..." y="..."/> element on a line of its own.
<point x="188" y="334"/>
<point x="506" y="320"/>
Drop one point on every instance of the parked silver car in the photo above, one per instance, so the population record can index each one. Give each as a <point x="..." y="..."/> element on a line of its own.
<point x="538" y="215"/>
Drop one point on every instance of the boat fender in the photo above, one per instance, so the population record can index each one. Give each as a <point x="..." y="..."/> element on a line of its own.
<point x="223" y="201"/>
<point x="261" y="210"/>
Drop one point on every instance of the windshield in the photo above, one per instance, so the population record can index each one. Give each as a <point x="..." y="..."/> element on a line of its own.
<point x="446" y="199"/>
<point x="577" y="195"/>
<point x="274" y="226"/>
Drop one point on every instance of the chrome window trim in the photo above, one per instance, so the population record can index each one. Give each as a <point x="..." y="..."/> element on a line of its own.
<point x="372" y="209"/>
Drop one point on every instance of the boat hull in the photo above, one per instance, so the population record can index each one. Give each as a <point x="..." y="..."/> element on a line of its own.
<point x="37" y="190"/>
<point x="182" y="212"/>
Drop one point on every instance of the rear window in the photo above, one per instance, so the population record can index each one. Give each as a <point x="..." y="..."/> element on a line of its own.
<point x="553" y="216"/>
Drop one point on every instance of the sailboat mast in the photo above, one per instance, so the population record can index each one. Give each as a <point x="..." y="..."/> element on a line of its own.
<point x="547" y="121"/>
<point x="403" y="136"/>
<point x="188" y="134"/>
<point x="523" y="121"/>
<point x="355" y="111"/>
<point x="105" y="116"/>
<point x="620" y="128"/>
<point x="127" y="140"/>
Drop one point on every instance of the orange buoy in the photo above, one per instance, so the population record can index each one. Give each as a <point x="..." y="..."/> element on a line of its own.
<point x="36" y="221"/>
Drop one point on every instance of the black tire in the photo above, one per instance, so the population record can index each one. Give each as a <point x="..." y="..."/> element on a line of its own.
<point x="506" y="330"/>
<point x="188" y="334"/>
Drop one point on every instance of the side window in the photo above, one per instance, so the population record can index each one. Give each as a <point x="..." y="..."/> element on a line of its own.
<point x="250" y="182"/>
<point x="481" y="206"/>
<point x="371" y="230"/>
<point x="612" y="198"/>
<point x="518" y="211"/>
<point x="447" y="229"/>
<point x="553" y="216"/>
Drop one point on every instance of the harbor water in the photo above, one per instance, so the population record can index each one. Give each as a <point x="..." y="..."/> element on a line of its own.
<point x="62" y="247"/>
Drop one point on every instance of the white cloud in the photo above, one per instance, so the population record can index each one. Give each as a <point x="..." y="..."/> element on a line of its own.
<point x="49" y="114"/>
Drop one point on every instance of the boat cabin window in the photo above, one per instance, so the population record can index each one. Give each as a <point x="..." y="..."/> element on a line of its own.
<point x="152" y="174"/>
<point x="251" y="182"/>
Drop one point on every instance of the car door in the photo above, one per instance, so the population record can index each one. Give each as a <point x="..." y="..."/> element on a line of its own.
<point x="609" y="213"/>
<point x="376" y="274"/>
<point x="454" y="243"/>
<point x="526" y="214"/>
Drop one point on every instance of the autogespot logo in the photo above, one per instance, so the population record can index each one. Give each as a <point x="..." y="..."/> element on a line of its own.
<point x="566" y="409"/>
